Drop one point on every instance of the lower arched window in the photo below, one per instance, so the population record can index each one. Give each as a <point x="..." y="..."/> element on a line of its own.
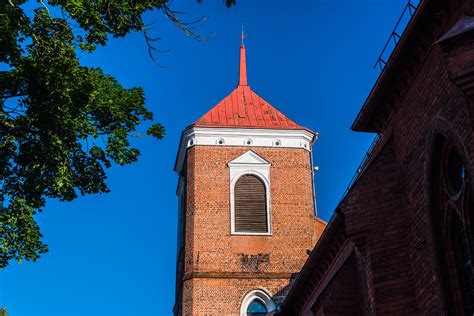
<point x="256" y="307"/>
<point x="452" y="221"/>
<point x="257" y="303"/>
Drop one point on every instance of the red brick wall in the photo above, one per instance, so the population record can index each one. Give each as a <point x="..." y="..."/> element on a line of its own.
<point x="221" y="296"/>
<point x="220" y="268"/>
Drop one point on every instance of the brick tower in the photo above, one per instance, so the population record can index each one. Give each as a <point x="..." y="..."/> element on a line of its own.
<point x="247" y="214"/>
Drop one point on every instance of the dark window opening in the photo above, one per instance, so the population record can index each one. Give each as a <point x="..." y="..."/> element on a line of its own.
<point x="455" y="172"/>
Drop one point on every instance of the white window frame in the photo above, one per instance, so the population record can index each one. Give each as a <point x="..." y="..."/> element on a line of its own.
<point x="250" y="164"/>
<point x="261" y="296"/>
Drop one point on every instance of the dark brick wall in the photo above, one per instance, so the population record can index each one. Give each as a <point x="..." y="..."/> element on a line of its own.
<point x="342" y="296"/>
<point x="387" y="213"/>
<point x="432" y="105"/>
<point x="374" y="209"/>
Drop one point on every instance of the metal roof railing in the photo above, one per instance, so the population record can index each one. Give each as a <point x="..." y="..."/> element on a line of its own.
<point x="395" y="35"/>
<point x="363" y="164"/>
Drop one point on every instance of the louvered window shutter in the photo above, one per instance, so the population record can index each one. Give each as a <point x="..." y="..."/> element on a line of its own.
<point x="250" y="211"/>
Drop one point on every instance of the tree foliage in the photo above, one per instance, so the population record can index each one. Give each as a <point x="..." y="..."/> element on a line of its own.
<point x="61" y="123"/>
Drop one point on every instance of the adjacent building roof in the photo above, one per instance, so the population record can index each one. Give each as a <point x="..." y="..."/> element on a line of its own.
<point x="462" y="26"/>
<point x="243" y="108"/>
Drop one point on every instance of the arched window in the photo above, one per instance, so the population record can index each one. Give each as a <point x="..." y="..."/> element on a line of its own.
<point x="256" y="308"/>
<point x="250" y="199"/>
<point x="257" y="302"/>
<point x="452" y="221"/>
<point x="250" y="208"/>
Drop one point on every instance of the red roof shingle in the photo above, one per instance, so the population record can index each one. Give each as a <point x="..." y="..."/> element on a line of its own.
<point x="244" y="108"/>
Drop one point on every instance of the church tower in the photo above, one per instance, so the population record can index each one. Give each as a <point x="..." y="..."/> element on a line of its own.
<point x="247" y="209"/>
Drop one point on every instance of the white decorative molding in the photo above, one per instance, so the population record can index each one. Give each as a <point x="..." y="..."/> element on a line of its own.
<point x="250" y="163"/>
<point x="249" y="158"/>
<point x="259" y="137"/>
<point x="261" y="296"/>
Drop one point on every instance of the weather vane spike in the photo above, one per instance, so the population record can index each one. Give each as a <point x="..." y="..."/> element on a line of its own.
<point x="243" y="35"/>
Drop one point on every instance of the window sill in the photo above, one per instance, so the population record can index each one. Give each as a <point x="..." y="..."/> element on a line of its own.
<point x="250" y="234"/>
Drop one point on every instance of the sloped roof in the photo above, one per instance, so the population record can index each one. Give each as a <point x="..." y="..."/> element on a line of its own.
<point x="462" y="26"/>
<point x="243" y="108"/>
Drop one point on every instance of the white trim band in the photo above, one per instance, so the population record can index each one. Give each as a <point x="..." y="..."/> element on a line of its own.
<point x="252" y="137"/>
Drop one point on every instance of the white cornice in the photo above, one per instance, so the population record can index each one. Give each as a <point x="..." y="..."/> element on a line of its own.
<point x="249" y="137"/>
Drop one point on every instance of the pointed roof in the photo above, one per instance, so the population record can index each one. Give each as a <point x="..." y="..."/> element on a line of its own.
<point x="243" y="108"/>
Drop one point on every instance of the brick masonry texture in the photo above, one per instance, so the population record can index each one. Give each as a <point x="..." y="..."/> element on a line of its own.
<point x="386" y="215"/>
<point x="219" y="269"/>
<point x="219" y="296"/>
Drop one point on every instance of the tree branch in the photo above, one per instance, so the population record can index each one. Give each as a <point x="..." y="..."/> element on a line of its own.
<point x="45" y="6"/>
<point x="152" y="48"/>
<point x="186" y="27"/>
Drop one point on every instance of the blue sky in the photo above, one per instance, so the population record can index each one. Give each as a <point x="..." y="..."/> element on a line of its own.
<point x="114" y="254"/>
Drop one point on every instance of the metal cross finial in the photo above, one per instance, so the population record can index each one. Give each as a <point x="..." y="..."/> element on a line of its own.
<point x="243" y="35"/>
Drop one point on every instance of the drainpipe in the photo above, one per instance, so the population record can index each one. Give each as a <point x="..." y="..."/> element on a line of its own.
<point x="315" y="208"/>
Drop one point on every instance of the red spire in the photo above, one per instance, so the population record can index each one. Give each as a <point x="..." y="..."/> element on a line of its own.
<point x="243" y="64"/>
<point x="243" y="108"/>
